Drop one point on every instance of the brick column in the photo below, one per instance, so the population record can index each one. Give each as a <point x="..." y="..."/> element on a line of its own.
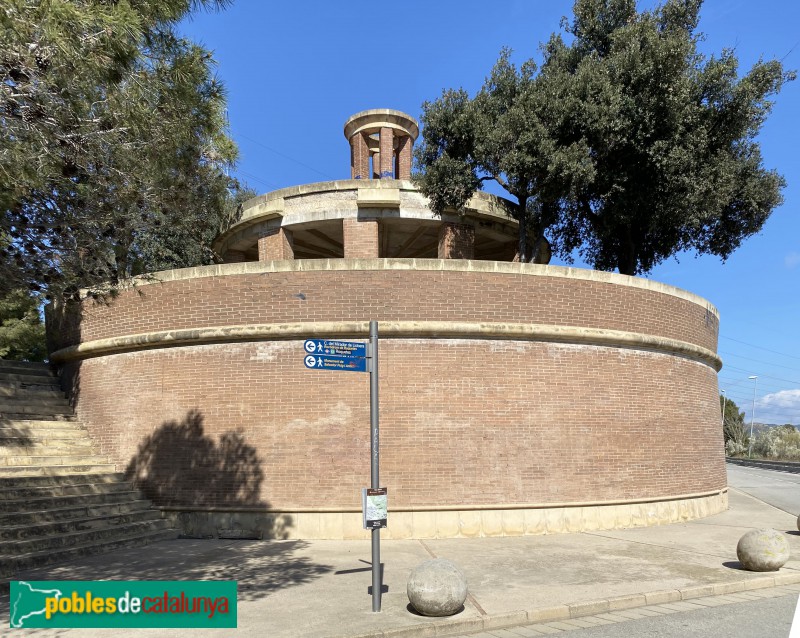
<point x="360" y="238"/>
<point x="387" y="153"/>
<point x="404" y="158"/>
<point x="376" y="168"/>
<point x="456" y="241"/>
<point x="277" y="244"/>
<point x="359" y="157"/>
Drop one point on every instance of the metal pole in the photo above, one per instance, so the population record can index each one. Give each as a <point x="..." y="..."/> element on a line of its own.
<point x="723" y="409"/>
<point x="374" y="441"/>
<point x="752" y="416"/>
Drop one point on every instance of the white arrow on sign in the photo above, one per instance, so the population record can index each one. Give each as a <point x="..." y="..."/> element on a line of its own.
<point x="311" y="361"/>
<point x="310" y="346"/>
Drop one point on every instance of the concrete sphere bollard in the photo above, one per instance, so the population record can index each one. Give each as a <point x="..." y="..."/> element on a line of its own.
<point x="763" y="550"/>
<point x="437" y="588"/>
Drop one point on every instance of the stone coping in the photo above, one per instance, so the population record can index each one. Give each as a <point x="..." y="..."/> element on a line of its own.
<point x="439" y="523"/>
<point x="425" y="265"/>
<point x="481" y="201"/>
<point x="391" y="329"/>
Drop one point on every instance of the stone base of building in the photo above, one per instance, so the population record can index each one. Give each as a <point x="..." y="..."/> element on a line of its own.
<point x="445" y="523"/>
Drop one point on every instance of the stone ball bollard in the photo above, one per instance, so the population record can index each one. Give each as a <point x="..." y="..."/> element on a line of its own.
<point x="798" y="523"/>
<point x="437" y="588"/>
<point x="763" y="550"/>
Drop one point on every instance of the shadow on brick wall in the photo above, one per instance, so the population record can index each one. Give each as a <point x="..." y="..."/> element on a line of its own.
<point x="213" y="486"/>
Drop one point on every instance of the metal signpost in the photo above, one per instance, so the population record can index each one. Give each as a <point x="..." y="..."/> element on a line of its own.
<point x="328" y="354"/>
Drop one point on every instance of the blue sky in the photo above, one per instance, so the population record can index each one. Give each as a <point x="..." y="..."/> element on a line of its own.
<point x="295" y="72"/>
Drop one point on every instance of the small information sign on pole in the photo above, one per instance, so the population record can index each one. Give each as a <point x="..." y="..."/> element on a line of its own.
<point x="374" y="507"/>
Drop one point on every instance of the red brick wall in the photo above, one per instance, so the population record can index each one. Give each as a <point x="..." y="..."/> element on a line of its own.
<point x="342" y="295"/>
<point x="463" y="422"/>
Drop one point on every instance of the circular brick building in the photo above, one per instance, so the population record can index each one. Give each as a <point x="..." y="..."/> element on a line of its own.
<point x="515" y="398"/>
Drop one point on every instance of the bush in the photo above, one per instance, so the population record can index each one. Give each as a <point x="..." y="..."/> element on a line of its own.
<point x="778" y="443"/>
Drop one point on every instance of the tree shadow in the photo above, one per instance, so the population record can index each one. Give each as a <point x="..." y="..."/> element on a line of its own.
<point x="15" y="435"/>
<point x="215" y="487"/>
<point x="260" y="568"/>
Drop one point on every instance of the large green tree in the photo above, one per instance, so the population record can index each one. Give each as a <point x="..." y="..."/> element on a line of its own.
<point x="113" y="154"/>
<point x="671" y="132"/>
<point x="628" y="144"/>
<point x="508" y="133"/>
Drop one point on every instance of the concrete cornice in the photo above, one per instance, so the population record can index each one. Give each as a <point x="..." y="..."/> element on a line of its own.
<point x="388" y="329"/>
<point x="445" y="265"/>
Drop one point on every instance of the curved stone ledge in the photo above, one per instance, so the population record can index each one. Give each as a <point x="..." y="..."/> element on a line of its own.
<point x="448" y="522"/>
<point x="390" y="329"/>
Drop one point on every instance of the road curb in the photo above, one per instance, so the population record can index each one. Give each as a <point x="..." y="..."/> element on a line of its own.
<point x="450" y="627"/>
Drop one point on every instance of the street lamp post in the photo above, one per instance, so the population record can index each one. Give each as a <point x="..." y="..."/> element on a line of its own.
<point x="723" y="409"/>
<point x="753" y="416"/>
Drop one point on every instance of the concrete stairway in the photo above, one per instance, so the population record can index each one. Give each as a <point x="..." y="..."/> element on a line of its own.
<point x="59" y="499"/>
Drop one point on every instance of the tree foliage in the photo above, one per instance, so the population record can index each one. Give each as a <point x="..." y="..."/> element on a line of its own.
<point x="507" y="134"/>
<point x="627" y="145"/>
<point x="733" y="427"/>
<point x="113" y="152"/>
<point x="22" y="335"/>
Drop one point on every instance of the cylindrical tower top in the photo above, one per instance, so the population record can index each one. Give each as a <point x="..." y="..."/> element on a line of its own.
<point x="372" y="120"/>
<point x="383" y="138"/>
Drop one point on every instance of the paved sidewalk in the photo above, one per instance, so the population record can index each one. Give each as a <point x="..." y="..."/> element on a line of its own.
<point x="320" y="588"/>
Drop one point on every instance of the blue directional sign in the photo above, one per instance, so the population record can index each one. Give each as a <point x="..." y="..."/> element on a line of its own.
<point x="334" y="362"/>
<point x="337" y="348"/>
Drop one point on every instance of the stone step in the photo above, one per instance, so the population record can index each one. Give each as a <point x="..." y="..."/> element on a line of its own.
<point x="35" y="410"/>
<point x="19" y="391"/>
<point x="51" y="460"/>
<point x="43" y="434"/>
<point x="26" y="378"/>
<point x="68" y="513"/>
<point x="32" y="560"/>
<point x="29" y="367"/>
<point x="42" y="424"/>
<point x="62" y="501"/>
<point x="74" y="489"/>
<point x="13" y="404"/>
<point x="62" y="480"/>
<point x="50" y="417"/>
<point x="13" y="471"/>
<point x="19" y="446"/>
<point x="51" y="528"/>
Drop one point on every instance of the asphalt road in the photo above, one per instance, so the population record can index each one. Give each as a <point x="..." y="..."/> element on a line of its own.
<point x="779" y="489"/>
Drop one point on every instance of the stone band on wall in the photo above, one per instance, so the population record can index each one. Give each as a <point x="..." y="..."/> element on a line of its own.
<point x="390" y="329"/>
<point x="442" y="522"/>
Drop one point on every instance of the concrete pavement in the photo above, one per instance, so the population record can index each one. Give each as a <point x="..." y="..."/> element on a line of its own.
<point x="320" y="588"/>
